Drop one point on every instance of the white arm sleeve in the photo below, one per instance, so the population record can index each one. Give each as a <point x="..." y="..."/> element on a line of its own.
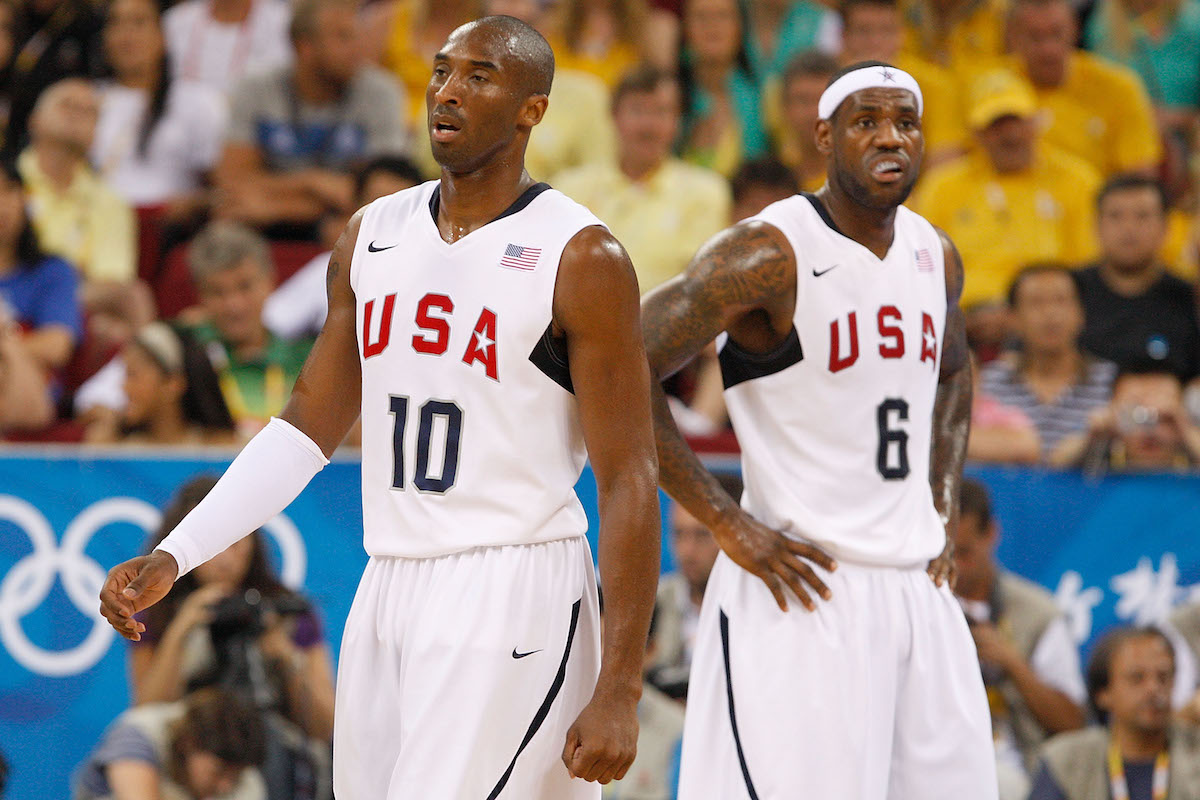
<point x="263" y="480"/>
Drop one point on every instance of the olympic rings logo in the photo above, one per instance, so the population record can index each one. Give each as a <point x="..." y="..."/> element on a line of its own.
<point x="27" y="585"/>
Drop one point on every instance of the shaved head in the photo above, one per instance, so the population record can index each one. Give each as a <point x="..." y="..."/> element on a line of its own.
<point x="528" y="50"/>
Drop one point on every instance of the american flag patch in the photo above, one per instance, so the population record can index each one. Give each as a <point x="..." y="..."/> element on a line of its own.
<point x="522" y="258"/>
<point x="924" y="261"/>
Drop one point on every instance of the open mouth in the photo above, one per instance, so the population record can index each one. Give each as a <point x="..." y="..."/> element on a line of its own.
<point x="444" y="130"/>
<point x="887" y="169"/>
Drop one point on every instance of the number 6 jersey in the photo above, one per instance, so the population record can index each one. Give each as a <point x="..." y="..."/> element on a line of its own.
<point x="470" y="431"/>
<point x="835" y="424"/>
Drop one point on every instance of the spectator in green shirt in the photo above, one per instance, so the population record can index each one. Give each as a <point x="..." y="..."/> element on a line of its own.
<point x="233" y="272"/>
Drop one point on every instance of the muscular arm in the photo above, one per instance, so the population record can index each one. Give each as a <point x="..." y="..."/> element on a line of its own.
<point x="596" y="307"/>
<point x="742" y="281"/>
<point x="326" y="398"/>
<point x="741" y="270"/>
<point x="272" y="469"/>
<point x="951" y="410"/>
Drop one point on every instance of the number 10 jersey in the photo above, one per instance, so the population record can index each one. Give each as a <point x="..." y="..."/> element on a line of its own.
<point x="470" y="430"/>
<point x="835" y="424"/>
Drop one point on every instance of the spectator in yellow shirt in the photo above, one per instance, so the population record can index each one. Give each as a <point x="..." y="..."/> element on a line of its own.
<point x="78" y="217"/>
<point x="1091" y="107"/>
<point x="1014" y="200"/>
<point x="873" y="30"/>
<point x="660" y="208"/>
<point x="799" y="90"/>
<point x="75" y="214"/>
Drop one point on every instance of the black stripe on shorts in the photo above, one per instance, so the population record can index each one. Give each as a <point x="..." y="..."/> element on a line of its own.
<point x="544" y="710"/>
<point x="737" y="740"/>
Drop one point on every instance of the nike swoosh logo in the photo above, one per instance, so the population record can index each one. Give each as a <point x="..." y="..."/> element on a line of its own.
<point x="822" y="272"/>
<point x="522" y="655"/>
<point x="371" y="248"/>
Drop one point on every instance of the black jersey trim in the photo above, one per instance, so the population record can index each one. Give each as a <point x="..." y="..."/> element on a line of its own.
<point x="435" y="201"/>
<point x="550" y="356"/>
<point x="544" y="710"/>
<point x="738" y="364"/>
<point x="737" y="740"/>
<point x="818" y="206"/>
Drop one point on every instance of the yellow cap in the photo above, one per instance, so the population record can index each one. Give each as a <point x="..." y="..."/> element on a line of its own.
<point x="999" y="93"/>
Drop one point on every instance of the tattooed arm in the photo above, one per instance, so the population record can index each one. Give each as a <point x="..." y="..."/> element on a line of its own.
<point x="743" y="281"/>
<point x="951" y="415"/>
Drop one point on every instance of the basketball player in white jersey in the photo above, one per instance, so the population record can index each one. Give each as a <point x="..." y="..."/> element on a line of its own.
<point x="845" y="365"/>
<point x="487" y="327"/>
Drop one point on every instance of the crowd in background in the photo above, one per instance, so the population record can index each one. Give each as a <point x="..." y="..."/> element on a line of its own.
<point x="174" y="175"/>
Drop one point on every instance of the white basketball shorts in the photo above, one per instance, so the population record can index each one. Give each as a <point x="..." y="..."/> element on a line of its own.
<point x="876" y="695"/>
<point x="459" y="676"/>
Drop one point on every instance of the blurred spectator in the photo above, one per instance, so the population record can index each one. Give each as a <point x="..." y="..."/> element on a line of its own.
<point x="999" y="433"/>
<point x="172" y="394"/>
<point x="296" y="133"/>
<point x="660" y="208"/>
<point x="1136" y="752"/>
<point x="54" y="39"/>
<point x="779" y="29"/>
<point x="40" y="319"/>
<point x="3" y="773"/>
<point x="722" y="106"/>
<point x="1159" y="40"/>
<point x="157" y="137"/>
<point x="231" y="266"/>
<point x="207" y="745"/>
<point x="654" y="774"/>
<point x="873" y="30"/>
<point x="681" y="592"/>
<point x="409" y="34"/>
<point x="220" y="42"/>
<point x="1013" y="201"/>
<point x="298" y="307"/>
<point x="222" y="617"/>
<point x="1049" y="378"/>
<point x="1144" y="428"/>
<point x="600" y="37"/>
<point x="1092" y="107"/>
<point x="800" y="89"/>
<point x="1135" y="312"/>
<point x="577" y="129"/>
<point x="960" y="35"/>
<point x="75" y="214"/>
<point x="1028" y="657"/>
<point x="758" y="184"/>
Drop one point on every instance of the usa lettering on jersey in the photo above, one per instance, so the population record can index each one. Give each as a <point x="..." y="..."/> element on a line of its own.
<point x="891" y="338"/>
<point x="432" y="319"/>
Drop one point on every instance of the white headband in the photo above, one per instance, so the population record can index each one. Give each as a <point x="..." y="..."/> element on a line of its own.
<point x="866" y="78"/>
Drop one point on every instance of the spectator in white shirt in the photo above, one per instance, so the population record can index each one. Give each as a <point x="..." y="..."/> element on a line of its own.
<point x="157" y="136"/>
<point x="219" y="42"/>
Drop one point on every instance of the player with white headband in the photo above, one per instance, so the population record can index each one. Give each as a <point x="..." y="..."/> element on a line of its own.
<point x="844" y="357"/>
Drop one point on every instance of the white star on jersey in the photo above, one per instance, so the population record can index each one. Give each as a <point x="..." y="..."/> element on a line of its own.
<point x="482" y="342"/>
<point x="930" y="340"/>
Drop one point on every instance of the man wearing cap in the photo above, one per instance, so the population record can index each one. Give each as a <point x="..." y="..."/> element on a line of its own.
<point x="1014" y="200"/>
<point x="844" y="358"/>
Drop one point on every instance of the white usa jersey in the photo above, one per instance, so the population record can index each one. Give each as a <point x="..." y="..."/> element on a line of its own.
<point x="470" y="432"/>
<point x="835" y="424"/>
